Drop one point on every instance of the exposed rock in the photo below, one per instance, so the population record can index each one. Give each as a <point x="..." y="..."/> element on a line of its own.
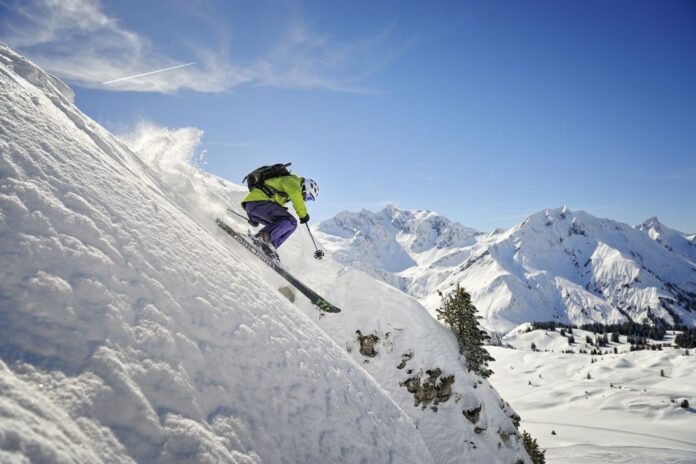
<point x="516" y="419"/>
<point x="473" y="414"/>
<point x="288" y="293"/>
<point x="505" y="436"/>
<point x="367" y="344"/>
<point x="406" y="357"/>
<point x="434" y="389"/>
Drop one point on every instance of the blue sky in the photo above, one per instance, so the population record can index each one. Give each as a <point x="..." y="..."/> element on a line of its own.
<point x="483" y="111"/>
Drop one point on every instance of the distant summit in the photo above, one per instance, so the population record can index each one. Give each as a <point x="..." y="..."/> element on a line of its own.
<point x="393" y="240"/>
<point x="671" y="239"/>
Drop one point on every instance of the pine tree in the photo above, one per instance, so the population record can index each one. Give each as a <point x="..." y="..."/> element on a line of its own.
<point x="532" y="447"/>
<point x="460" y="314"/>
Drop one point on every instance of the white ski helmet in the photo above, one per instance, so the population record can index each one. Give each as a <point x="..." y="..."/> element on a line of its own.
<point x="310" y="189"/>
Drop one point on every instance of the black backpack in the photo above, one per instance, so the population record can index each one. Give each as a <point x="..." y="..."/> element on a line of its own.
<point x="258" y="177"/>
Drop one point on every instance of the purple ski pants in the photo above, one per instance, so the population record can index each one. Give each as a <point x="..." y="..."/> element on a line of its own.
<point x="278" y="221"/>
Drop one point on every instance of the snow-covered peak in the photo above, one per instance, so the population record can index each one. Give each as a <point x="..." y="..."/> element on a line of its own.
<point x="392" y="241"/>
<point x="391" y="209"/>
<point x="430" y="229"/>
<point x="549" y="215"/>
<point x="654" y="228"/>
<point x="561" y="212"/>
<point x="671" y="239"/>
<point x="651" y="223"/>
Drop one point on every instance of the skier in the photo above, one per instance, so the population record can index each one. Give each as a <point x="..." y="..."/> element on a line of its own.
<point x="265" y="205"/>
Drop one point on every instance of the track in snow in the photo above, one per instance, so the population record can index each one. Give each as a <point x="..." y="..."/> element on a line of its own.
<point x="606" y="429"/>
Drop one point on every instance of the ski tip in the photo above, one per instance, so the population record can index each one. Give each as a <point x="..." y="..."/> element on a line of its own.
<point x="326" y="306"/>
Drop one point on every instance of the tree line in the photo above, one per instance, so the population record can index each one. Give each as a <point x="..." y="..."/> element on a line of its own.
<point x="637" y="334"/>
<point x="630" y="329"/>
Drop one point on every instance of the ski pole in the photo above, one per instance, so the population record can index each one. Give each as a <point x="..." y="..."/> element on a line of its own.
<point x="318" y="254"/>
<point x="240" y="215"/>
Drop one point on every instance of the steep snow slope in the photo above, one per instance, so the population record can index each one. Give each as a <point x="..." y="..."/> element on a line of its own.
<point x="556" y="264"/>
<point x="385" y="331"/>
<point x="135" y="331"/>
<point x="627" y="411"/>
<point x="152" y="340"/>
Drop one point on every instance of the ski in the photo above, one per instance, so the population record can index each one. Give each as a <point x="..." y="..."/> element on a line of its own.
<point x="317" y="300"/>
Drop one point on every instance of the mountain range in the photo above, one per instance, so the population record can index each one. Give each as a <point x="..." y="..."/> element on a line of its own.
<point x="557" y="264"/>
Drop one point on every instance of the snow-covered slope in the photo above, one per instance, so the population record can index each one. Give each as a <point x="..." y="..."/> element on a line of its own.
<point x="554" y="265"/>
<point x="133" y="330"/>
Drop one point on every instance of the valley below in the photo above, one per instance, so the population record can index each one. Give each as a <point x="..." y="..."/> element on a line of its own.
<point x="610" y="408"/>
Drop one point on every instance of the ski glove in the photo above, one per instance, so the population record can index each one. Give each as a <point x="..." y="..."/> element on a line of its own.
<point x="253" y="223"/>
<point x="304" y="220"/>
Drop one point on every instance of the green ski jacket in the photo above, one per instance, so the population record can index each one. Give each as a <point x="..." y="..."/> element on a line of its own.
<point x="285" y="189"/>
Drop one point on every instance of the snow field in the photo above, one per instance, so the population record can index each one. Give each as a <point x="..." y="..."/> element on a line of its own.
<point x="625" y="412"/>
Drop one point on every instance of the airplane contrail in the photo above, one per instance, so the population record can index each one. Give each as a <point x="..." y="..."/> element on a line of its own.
<point x="149" y="73"/>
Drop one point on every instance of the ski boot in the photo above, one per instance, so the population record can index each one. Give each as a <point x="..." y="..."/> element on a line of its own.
<point x="263" y="241"/>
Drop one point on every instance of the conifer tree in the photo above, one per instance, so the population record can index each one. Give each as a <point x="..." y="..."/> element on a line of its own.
<point x="460" y="314"/>
<point x="532" y="447"/>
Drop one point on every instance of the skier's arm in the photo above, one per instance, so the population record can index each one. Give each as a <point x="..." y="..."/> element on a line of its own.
<point x="294" y="191"/>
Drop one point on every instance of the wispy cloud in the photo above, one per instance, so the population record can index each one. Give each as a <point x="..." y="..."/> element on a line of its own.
<point x="306" y="59"/>
<point x="78" y="41"/>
